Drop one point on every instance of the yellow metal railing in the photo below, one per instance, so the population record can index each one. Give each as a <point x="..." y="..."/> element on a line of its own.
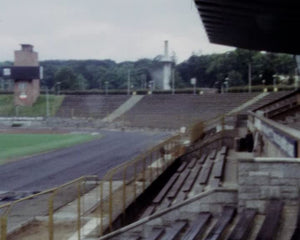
<point x="117" y="189"/>
<point x="133" y="178"/>
<point x="120" y="186"/>
<point x="48" y="198"/>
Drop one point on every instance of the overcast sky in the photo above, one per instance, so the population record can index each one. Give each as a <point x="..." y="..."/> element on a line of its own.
<point x="102" y="29"/>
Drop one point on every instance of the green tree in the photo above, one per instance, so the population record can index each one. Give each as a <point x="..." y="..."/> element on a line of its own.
<point x="69" y="80"/>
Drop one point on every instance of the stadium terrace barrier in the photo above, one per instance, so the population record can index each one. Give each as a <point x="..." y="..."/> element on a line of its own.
<point x="217" y="124"/>
<point x="283" y="137"/>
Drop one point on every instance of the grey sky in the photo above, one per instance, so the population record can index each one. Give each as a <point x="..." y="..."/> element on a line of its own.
<point x="101" y="29"/>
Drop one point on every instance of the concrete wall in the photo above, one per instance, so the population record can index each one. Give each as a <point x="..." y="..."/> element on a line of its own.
<point x="272" y="139"/>
<point x="262" y="179"/>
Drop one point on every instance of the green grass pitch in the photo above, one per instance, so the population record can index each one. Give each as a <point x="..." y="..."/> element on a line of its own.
<point x="13" y="146"/>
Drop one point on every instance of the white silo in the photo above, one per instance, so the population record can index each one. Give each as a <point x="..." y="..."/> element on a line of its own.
<point x="167" y="68"/>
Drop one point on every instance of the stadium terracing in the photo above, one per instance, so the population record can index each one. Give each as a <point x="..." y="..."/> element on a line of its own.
<point x="230" y="170"/>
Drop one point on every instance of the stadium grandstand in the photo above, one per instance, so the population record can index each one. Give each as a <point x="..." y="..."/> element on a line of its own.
<point x="215" y="166"/>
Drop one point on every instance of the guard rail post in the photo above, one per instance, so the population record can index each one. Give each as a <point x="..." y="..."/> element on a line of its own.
<point x="124" y="190"/>
<point x="3" y="227"/>
<point x="50" y="217"/>
<point x="78" y="209"/>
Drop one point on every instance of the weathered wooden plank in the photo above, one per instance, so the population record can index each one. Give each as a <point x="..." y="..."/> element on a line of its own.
<point x="244" y="225"/>
<point x="272" y="220"/>
<point x="197" y="227"/>
<point x="205" y="172"/>
<point x="173" y="232"/>
<point x="165" y="189"/>
<point x="222" y="223"/>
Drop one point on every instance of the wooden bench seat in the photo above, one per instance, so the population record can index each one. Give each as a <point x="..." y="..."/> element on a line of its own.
<point x="212" y="154"/>
<point x="178" y="184"/>
<point x="222" y="223"/>
<point x="296" y="234"/>
<point x="156" y="233"/>
<point x="197" y="227"/>
<point x="173" y="232"/>
<point x="202" y="159"/>
<point x="224" y="150"/>
<point x="205" y="172"/>
<point x="215" y="183"/>
<point x="219" y="166"/>
<point x="180" y="197"/>
<point x="148" y="211"/>
<point x="244" y="225"/>
<point x="187" y="186"/>
<point x="165" y="189"/>
<point x="182" y="167"/>
<point x="164" y="204"/>
<point x="271" y="223"/>
<point x="132" y="237"/>
<point x="192" y="163"/>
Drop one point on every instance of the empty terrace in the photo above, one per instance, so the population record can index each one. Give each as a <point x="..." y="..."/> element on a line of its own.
<point x="174" y="111"/>
<point x="90" y="106"/>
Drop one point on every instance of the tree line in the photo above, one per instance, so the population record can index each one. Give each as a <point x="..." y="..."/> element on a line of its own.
<point x="211" y="70"/>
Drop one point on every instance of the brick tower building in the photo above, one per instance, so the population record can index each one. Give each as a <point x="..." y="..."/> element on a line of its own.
<point x="26" y="89"/>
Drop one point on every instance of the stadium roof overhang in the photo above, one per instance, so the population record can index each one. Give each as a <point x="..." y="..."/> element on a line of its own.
<point x="269" y="25"/>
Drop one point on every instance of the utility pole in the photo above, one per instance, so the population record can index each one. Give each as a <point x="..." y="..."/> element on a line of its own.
<point x="173" y="81"/>
<point x="249" y="78"/>
<point x="275" y="76"/>
<point x="128" y="83"/>
<point x="47" y="103"/>
<point x="296" y="82"/>
<point x="106" y="87"/>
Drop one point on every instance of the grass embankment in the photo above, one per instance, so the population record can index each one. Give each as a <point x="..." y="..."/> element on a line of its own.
<point x="8" y="109"/>
<point x="14" y="146"/>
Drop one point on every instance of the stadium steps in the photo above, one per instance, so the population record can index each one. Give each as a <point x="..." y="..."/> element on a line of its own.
<point x="193" y="176"/>
<point x="174" y="111"/>
<point x="249" y="103"/>
<point x="227" y="224"/>
<point x="90" y="106"/>
<point x="126" y="106"/>
<point x="266" y="100"/>
<point x="202" y="225"/>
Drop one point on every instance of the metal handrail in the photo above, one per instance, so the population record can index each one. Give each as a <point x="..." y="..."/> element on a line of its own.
<point x="171" y="146"/>
<point x="122" y="170"/>
<point x="52" y="191"/>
